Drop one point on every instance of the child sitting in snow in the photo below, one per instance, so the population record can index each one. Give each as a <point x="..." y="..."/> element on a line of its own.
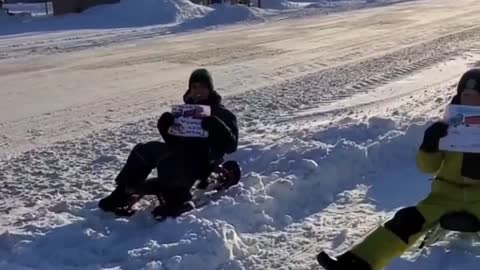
<point x="179" y="161"/>
<point x="456" y="187"/>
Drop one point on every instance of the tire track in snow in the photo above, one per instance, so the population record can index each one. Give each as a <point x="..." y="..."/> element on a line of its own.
<point x="89" y="40"/>
<point x="282" y="102"/>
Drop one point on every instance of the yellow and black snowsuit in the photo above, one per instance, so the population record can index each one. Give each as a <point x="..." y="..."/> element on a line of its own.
<point x="455" y="187"/>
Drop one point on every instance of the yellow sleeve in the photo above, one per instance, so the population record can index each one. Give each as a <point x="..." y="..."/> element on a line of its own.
<point x="429" y="162"/>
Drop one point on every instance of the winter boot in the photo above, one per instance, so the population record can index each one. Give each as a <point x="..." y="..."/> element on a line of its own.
<point x="119" y="198"/>
<point x="346" y="261"/>
<point x="229" y="174"/>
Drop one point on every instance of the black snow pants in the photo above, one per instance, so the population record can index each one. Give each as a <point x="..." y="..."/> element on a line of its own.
<point x="178" y="168"/>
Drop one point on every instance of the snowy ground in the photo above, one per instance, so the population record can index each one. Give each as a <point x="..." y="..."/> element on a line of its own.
<point x="332" y="109"/>
<point x="144" y="19"/>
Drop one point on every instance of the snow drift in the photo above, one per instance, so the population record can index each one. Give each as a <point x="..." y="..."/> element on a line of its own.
<point x="227" y="14"/>
<point x="168" y="15"/>
<point x="144" y="12"/>
<point x="291" y="186"/>
<point x="127" y="13"/>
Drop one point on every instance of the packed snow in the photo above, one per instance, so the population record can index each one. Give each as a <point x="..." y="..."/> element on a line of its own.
<point x="331" y="109"/>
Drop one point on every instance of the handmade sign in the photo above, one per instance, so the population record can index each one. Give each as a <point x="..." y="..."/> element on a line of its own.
<point x="188" y="120"/>
<point x="464" y="129"/>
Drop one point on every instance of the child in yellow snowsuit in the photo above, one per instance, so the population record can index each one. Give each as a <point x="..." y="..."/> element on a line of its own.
<point x="456" y="187"/>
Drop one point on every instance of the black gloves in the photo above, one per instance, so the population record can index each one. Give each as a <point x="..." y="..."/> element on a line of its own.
<point x="432" y="136"/>
<point x="211" y="123"/>
<point x="220" y="136"/>
<point x="163" y="124"/>
<point x="165" y="121"/>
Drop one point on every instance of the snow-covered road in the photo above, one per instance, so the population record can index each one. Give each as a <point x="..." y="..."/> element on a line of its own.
<point x="332" y="109"/>
<point x="304" y="63"/>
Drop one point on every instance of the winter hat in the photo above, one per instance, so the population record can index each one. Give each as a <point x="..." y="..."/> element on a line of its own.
<point x="469" y="80"/>
<point x="201" y="76"/>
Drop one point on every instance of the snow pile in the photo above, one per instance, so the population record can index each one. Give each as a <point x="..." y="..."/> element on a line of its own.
<point x="100" y="240"/>
<point x="290" y="181"/>
<point x="284" y="184"/>
<point x="323" y="190"/>
<point x="127" y="13"/>
<point x="144" y="12"/>
<point x="171" y="15"/>
<point x="227" y="14"/>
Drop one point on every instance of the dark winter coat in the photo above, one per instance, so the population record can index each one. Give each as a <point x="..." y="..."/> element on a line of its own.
<point x="195" y="155"/>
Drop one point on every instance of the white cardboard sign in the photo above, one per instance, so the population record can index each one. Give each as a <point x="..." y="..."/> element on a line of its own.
<point x="464" y="129"/>
<point x="188" y="120"/>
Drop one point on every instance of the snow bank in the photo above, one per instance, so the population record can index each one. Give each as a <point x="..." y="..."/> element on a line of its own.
<point x="283" y="184"/>
<point x="290" y="181"/>
<point x="227" y="14"/>
<point x="144" y="12"/>
<point x="100" y="240"/>
<point x="127" y="13"/>
<point x="301" y="185"/>
<point x="176" y="15"/>
<point x="171" y="15"/>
